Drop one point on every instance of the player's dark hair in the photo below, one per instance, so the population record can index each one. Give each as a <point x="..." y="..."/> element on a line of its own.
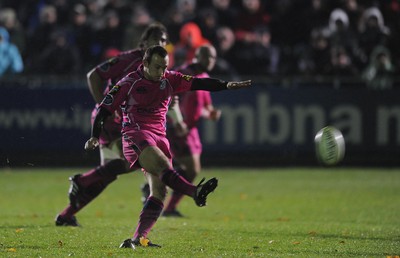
<point x="154" y="50"/>
<point x="155" y="28"/>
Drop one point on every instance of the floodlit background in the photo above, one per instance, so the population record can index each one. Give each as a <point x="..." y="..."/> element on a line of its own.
<point x="313" y="63"/>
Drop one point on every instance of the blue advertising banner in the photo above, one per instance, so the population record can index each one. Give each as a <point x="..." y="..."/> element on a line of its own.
<point x="266" y="123"/>
<point x="268" y="118"/>
<point x="44" y="119"/>
<point x="281" y="123"/>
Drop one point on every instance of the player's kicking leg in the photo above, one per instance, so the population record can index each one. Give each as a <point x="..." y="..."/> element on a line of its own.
<point x="192" y="166"/>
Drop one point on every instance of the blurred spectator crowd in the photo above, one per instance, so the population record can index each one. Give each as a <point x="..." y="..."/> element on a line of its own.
<point x="346" y="38"/>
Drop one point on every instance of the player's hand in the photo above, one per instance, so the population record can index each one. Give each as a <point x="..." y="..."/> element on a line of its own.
<point x="238" y="85"/>
<point x="215" y="114"/>
<point x="92" y="143"/>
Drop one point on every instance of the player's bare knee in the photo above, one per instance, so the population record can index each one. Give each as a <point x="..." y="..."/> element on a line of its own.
<point x="153" y="160"/>
<point x="160" y="165"/>
<point x="163" y="164"/>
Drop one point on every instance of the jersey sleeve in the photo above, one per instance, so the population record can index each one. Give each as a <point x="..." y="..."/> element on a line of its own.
<point x="116" y="96"/>
<point x="117" y="67"/>
<point x="179" y="82"/>
<point x="108" y="69"/>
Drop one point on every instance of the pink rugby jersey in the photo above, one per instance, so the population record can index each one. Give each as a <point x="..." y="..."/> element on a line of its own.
<point x="117" y="67"/>
<point x="112" y="71"/>
<point x="145" y="103"/>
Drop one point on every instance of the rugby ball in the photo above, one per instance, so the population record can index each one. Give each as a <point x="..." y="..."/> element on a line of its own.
<point x="329" y="146"/>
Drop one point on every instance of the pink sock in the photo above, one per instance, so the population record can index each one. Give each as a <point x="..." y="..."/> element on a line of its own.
<point x="68" y="212"/>
<point x="89" y="177"/>
<point x="150" y="213"/>
<point x="103" y="173"/>
<point x="177" y="182"/>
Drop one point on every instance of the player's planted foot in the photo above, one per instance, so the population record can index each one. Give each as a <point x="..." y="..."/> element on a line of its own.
<point x="142" y="241"/>
<point x="75" y="191"/>
<point x="203" y="190"/>
<point x="173" y="213"/>
<point x="72" y="222"/>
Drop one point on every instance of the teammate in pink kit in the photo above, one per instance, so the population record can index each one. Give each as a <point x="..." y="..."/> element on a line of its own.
<point x="86" y="187"/>
<point x="186" y="149"/>
<point x="144" y="96"/>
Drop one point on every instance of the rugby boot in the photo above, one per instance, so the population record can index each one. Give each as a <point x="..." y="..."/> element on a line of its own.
<point x="142" y="241"/>
<point x="173" y="213"/>
<point x="203" y="190"/>
<point x="72" y="222"/>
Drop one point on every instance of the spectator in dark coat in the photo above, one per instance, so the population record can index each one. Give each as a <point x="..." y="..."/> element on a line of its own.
<point x="60" y="58"/>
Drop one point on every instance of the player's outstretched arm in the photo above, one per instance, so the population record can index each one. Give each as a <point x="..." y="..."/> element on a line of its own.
<point x="211" y="84"/>
<point x="238" y="85"/>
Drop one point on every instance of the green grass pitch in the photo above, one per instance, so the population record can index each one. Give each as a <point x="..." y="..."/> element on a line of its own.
<point x="271" y="212"/>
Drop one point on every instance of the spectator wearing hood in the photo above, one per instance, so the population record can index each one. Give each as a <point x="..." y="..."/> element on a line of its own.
<point x="190" y="38"/>
<point x="379" y="72"/>
<point x="340" y="30"/>
<point x="10" y="57"/>
<point x="343" y="38"/>
<point x="372" y="32"/>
